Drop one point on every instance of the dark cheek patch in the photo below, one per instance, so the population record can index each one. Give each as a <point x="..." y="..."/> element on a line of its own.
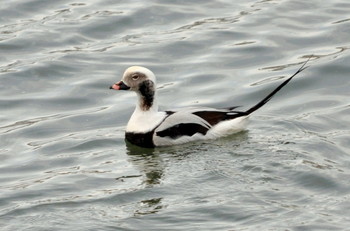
<point x="146" y="89"/>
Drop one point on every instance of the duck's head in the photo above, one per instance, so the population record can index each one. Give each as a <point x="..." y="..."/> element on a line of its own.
<point x="134" y="78"/>
<point x="142" y="81"/>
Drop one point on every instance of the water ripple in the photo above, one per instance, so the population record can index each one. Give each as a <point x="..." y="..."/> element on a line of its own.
<point x="65" y="164"/>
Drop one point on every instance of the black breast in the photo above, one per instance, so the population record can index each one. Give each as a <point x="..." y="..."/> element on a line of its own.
<point x="141" y="139"/>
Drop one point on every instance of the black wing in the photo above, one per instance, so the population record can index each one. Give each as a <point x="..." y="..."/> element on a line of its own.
<point x="214" y="117"/>
<point x="183" y="129"/>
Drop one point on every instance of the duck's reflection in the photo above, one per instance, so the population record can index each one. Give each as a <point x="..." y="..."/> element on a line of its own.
<point x="151" y="167"/>
<point x="150" y="206"/>
<point x="149" y="163"/>
<point x="154" y="163"/>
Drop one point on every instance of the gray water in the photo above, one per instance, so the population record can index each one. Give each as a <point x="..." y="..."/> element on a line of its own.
<point x="65" y="164"/>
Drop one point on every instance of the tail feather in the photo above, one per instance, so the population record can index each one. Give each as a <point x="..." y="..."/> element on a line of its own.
<point x="267" y="98"/>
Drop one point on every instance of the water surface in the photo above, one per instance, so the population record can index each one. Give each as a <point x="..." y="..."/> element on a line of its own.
<point x="65" y="164"/>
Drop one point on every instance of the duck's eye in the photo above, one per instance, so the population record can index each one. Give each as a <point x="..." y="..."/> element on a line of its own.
<point x="135" y="77"/>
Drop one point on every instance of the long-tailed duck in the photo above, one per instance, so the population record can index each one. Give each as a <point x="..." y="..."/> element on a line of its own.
<point x="150" y="128"/>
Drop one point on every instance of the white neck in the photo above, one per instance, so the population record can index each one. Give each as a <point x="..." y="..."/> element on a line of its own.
<point x="139" y="104"/>
<point x="145" y="120"/>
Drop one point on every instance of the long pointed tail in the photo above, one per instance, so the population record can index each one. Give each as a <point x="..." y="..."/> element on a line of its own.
<point x="267" y="98"/>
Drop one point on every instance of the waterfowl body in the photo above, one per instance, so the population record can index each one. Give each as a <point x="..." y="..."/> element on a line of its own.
<point x="150" y="128"/>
